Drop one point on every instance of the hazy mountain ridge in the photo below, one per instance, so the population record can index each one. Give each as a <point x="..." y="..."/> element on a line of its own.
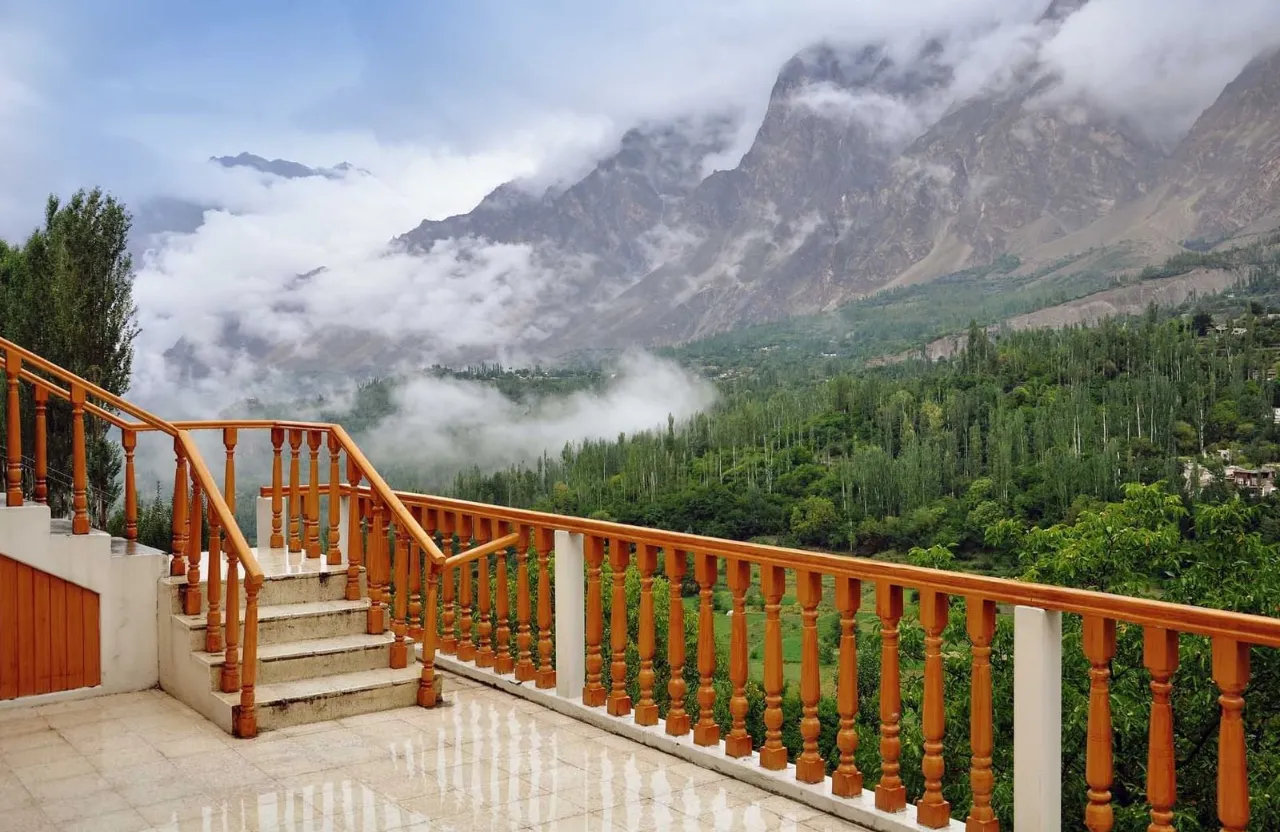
<point x="841" y="193"/>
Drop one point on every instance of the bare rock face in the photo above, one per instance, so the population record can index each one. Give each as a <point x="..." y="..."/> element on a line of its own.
<point x="1226" y="170"/>
<point x="864" y="174"/>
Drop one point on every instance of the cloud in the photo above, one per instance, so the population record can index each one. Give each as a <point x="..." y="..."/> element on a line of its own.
<point x="443" y="425"/>
<point x="1158" y="63"/>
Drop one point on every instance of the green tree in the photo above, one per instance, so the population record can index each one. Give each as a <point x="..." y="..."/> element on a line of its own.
<point x="67" y="294"/>
<point x="814" y="519"/>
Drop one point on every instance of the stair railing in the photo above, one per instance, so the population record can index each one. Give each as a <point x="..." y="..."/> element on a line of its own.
<point x="86" y="398"/>
<point x="386" y="542"/>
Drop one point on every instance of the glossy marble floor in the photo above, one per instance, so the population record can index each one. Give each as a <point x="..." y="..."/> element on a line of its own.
<point x="483" y="761"/>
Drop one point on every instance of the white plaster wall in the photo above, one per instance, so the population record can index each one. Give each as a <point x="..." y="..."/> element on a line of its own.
<point x="126" y="584"/>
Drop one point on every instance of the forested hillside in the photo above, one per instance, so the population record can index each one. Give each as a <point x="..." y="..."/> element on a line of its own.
<point x="1028" y="428"/>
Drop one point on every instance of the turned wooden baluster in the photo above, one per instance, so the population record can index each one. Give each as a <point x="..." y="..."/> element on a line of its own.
<point x="707" y="731"/>
<point x="449" y="632"/>
<point x="414" y="622"/>
<point x="593" y="692"/>
<point x="525" y="671"/>
<point x="213" y="627"/>
<point x="932" y="810"/>
<point x="178" y="564"/>
<point x="295" y="491"/>
<point x="619" y="558"/>
<point x="313" y="496"/>
<point x="213" y="631"/>
<point x="503" y="662"/>
<point x="891" y="795"/>
<point x="191" y="598"/>
<point x="400" y="597"/>
<point x="466" y="591"/>
<point x="428" y="693"/>
<point x="333" y="556"/>
<point x="129" y="440"/>
<point x="846" y="780"/>
<point x="373" y="568"/>
<point x="810" y="767"/>
<point x="1160" y="655"/>
<point x="1100" y="648"/>
<point x="79" y="466"/>
<point x="646" y="709"/>
<point x="677" y="689"/>
<point x="980" y="615"/>
<point x="277" y="491"/>
<point x="231" y="664"/>
<point x="485" y="531"/>
<point x="41" y="492"/>
<point x="738" y="575"/>
<point x="13" y="424"/>
<point x="1231" y="674"/>
<point x="355" y="541"/>
<point x="546" y="671"/>
<point x="773" y="754"/>
<point x="246" y="716"/>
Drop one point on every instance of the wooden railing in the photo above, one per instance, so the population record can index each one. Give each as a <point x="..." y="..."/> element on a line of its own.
<point x="47" y="379"/>
<point x="455" y="598"/>
<point x="472" y="609"/>
<point x="385" y="541"/>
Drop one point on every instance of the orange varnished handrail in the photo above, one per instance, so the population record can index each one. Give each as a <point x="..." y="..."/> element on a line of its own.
<point x="478" y="552"/>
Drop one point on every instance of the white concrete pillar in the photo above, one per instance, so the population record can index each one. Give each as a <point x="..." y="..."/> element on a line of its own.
<point x="571" y="615"/>
<point x="1037" y="719"/>
<point x="263" y="527"/>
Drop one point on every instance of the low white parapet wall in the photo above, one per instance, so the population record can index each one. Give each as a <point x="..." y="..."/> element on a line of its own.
<point x="127" y="584"/>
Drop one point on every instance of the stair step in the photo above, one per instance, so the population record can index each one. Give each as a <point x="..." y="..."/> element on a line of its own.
<point x="277" y="589"/>
<point x="292" y="622"/>
<point x="341" y="695"/>
<point x="290" y="661"/>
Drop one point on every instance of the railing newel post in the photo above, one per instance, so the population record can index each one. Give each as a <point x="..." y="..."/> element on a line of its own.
<point x="129" y="440"/>
<point x="428" y="688"/>
<point x="13" y="429"/>
<point x="41" y="491"/>
<point x="466" y="592"/>
<point x="178" y="564"/>
<point x="79" y="465"/>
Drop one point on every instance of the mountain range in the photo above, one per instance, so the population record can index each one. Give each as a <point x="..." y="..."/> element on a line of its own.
<point x="852" y="185"/>
<point x="868" y="171"/>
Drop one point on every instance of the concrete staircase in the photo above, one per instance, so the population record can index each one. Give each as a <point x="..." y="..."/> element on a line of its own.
<point x="315" y="659"/>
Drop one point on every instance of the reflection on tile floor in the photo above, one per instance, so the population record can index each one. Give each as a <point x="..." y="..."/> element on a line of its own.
<point x="484" y="761"/>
